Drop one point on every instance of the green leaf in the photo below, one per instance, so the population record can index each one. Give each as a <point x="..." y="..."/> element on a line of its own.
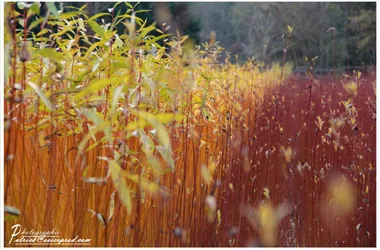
<point x="35" y="8"/>
<point x="52" y="8"/>
<point x="43" y="32"/>
<point x="157" y="38"/>
<point x="142" y="11"/>
<point x="82" y="8"/>
<point x="35" y="23"/>
<point x="119" y="65"/>
<point x="144" y="32"/>
<point x="21" y="22"/>
<point x="99" y="15"/>
<point x="96" y="27"/>
<point x="21" y="5"/>
<point x="68" y="15"/>
<point x="129" y="5"/>
<point x="43" y="97"/>
<point x="120" y="185"/>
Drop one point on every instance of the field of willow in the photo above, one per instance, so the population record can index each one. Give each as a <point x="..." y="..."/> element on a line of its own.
<point x="133" y="139"/>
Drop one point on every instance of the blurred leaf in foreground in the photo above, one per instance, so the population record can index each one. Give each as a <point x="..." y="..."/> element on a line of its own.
<point x="120" y="185"/>
<point x="339" y="202"/>
<point x="265" y="219"/>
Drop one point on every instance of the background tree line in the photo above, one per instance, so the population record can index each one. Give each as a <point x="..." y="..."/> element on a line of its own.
<point x="255" y="29"/>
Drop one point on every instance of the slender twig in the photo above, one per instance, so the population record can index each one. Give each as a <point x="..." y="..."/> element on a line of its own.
<point x="333" y="31"/>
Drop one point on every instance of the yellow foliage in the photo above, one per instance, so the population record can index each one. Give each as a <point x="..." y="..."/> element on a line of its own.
<point x="351" y="88"/>
<point x="288" y="153"/>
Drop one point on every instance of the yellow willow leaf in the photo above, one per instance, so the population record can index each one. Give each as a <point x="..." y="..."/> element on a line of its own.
<point x="211" y="168"/>
<point x="202" y="144"/>
<point x="289" y="28"/>
<point x="90" y="134"/>
<point x="96" y="85"/>
<point x="269" y="218"/>
<point x="93" y="146"/>
<point x="219" y="216"/>
<point x="266" y="192"/>
<point x="288" y="153"/>
<point x="94" y="17"/>
<point x="41" y="139"/>
<point x="43" y="97"/>
<point x="139" y="124"/>
<point x="68" y="15"/>
<point x="35" y="23"/>
<point x="266" y="217"/>
<point x="146" y="184"/>
<point x="205" y="174"/>
<point x="112" y="205"/>
<point x="120" y="185"/>
<point x="92" y="48"/>
<point x="115" y="98"/>
<point x="319" y="123"/>
<point x="166" y="153"/>
<point x="51" y="54"/>
<point x="168" y="117"/>
<point x="353" y="120"/>
<point x="97" y="28"/>
<point x="347" y="104"/>
<point x="162" y="134"/>
<point x="351" y="88"/>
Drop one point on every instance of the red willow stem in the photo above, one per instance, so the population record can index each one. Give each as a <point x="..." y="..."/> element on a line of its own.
<point x="307" y="116"/>
<point x="12" y="82"/>
<point x="24" y="47"/>
<point x="132" y="76"/>
<point x="109" y="70"/>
